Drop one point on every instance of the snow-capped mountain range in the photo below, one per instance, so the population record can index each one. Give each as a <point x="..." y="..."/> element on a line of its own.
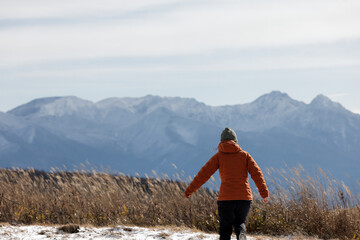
<point x="138" y="135"/>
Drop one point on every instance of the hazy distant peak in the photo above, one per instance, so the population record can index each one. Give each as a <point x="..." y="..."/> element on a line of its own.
<point x="149" y="103"/>
<point x="277" y="99"/>
<point x="50" y="106"/>
<point x="129" y="103"/>
<point x="109" y="101"/>
<point x="274" y="95"/>
<point x="158" y="99"/>
<point x="278" y="94"/>
<point x="73" y="101"/>
<point x="322" y="98"/>
<point x="40" y="101"/>
<point x="32" y="106"/>
<point x="324" y="102"/>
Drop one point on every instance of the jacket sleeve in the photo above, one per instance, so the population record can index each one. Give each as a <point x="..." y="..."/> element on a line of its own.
<point x="203" y="175"/>
<point x="257" y="176"/>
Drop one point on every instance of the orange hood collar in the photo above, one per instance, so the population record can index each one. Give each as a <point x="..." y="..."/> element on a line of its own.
<point x="229" y="146"/>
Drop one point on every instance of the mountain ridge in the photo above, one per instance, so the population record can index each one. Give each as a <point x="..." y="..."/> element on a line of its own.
<point x="152" y="132"/>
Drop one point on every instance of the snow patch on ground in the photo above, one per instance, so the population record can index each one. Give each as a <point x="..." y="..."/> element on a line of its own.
<point x="35" y="232"/>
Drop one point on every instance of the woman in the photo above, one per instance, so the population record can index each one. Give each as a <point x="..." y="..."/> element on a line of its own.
<point x="235" y="196"/>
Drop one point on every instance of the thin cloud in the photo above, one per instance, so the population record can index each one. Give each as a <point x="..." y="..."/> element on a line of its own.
<point x="339" y="54"/>
<point x="337" y="95"/>
<point x="44" y="9"/>
<point x="190" y="29"/>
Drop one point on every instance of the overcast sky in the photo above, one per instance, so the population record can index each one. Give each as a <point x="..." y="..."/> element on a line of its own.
<point x="218" y="52"/>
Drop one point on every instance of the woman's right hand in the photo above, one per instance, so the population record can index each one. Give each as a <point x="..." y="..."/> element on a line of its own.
<point x="266" y="200"/>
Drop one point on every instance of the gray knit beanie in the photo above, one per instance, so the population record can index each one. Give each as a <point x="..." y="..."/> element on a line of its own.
<point x="228" y="134"/>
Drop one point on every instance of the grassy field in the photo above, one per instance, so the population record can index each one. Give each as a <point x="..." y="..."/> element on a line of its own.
<point x="300" y="204"/>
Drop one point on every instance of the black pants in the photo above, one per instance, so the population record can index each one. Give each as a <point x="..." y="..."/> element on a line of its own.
<point x="232" y="214"/>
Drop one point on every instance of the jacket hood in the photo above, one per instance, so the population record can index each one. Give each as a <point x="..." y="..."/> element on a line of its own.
<point x="229" y="146"/>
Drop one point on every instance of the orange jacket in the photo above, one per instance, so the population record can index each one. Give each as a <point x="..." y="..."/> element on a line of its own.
<point x="233" y="164"/>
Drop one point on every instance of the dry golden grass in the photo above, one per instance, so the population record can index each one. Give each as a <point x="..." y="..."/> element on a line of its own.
<point x="307" y="205"/>
<point x="100" y="199"/>
<point x="300" y="205"/>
